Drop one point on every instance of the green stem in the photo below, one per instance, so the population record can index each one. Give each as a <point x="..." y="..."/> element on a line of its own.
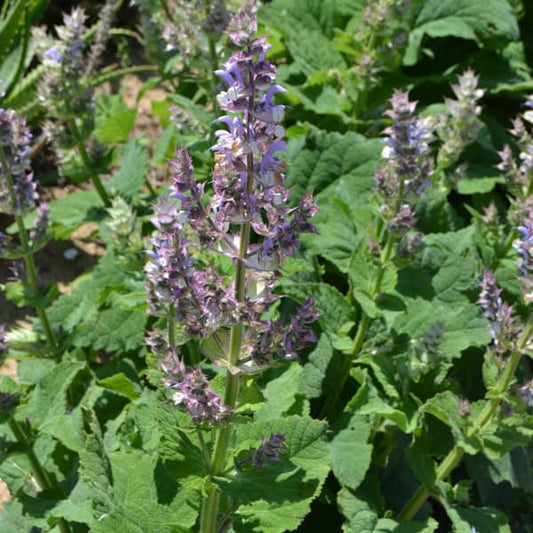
<point x="480" y="423"/>
<point x="39" y="473"/>
<point x="211" y="501"/>
<point x="362" y="329"/>
<point x="28" y="254"/>
<point x="87" y="163"/>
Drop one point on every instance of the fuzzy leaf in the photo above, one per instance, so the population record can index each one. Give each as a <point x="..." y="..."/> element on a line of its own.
<point x="132" y="172"/>
<point x="350" y="452"/>
<point x="483" y="21"/>
<point x="113" y="330"/>
<point x="277" y="498"/>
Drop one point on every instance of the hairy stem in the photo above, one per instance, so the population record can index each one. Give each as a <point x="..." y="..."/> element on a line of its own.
<point x="479" y="424"/>
<point x="218" y="462"/>
<point x="28" y="256"/>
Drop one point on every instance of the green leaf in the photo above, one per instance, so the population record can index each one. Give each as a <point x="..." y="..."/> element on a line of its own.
<point x="70" y="212"/>
<point x="313" y="52"/>
<point x="362" y="515"/>
<point x="368" y="401"/>
<point x="280" y="394"/>
<point x="350" y="451"/>
<point x="13" y="519"/>
<point x="133" y="171"/>
<point x="483" y="21"/>
<point x="114" y="120"/>
<point x="363" y="274"/>
<point x="461" y="322"/>
<point x="322" y="372"/>
<point x="51" y="397"/>
<point x="277" y="498"/>
<point x="318" y="15"/>
<point x="478" y="185"/>
<point x="122" y="385"/>
<point x="344" y="162"/>
<point x="333" y="307"/>
<point x="485" y="519"/>
<point x="113" y="330"/>
<point x="124" y="492"/>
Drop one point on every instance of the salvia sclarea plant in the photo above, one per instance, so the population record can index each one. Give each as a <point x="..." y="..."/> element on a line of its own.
<point x="401" y="403"/>
<point x="246" y="221"/>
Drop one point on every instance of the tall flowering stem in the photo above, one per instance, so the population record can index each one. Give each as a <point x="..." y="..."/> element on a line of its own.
<point x="18" y="195"/>
<point x="64" y="88"/>
<point x="403" y="178"/>
<point x="185" y="285"/>
<point x="507" y="339"/>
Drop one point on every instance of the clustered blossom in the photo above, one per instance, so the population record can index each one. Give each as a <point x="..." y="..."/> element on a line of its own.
<point x="97" y="49"/>
<point x="408" y="167"/>
<point x="504" y="331"/>
<point x="15" y="140"/>
<point x="249" y="195"/>
<point x="65" y="63"/>
<point x="191" y="388"/>
<point x="378" y="40"/>
<point x="519" y="176"/>
<point x="181" y="32"/>
<point x="123" y="225"/>
<point x="461" y="126"/>
<point x="524" y="247"/>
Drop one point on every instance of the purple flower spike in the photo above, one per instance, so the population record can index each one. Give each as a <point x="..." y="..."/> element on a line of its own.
<point x="15" y="140"/>
<point x="246" y="221"/>
<point x="499" y="313"/>
<point x="408" y="166"/>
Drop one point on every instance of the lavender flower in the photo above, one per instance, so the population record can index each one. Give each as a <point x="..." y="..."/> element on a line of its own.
<point x="524" y="247"/>
<point x="249" y="196"/>
<point x="191" y="388"/>
<point x="408" y="168"/>
<point x="460" y="127"/>
<point x="504" y="331"/>
<point x="17" y="189"/>
<point x="65" y="64"/>
<point x="519" y="176"/>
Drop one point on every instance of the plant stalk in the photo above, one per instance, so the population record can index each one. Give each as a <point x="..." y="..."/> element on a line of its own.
<point x="211" y="501"/>
<point x="28" y="255"/>
<point x="454" y="457"/>
<point x="39" y="473"/>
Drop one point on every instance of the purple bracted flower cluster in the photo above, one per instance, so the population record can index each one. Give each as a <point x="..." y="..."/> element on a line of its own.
<point x="519" y="175"/>
<point x="524" y="247"/>
<point x="409" y="166"/>
<point x="15" y="140"/>
<point x="191" y="388"/>
<point x="461" y="126"/>
<point x="504" y="331"/>
<point x="249" y="196"/>
<point x="65" y="61"/>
